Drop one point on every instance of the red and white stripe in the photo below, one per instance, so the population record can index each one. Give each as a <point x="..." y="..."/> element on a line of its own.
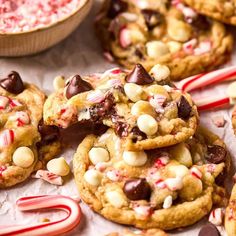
<point x="6" y="138"/>
<point x="57" y="227"/>
<point x="48" y="177"/>
<point x="196" y="172"/>
<point x="22" y="118"/>
<point x="204" y="79"/>
<point x="216" y="216"/>
<point x="15" y="103"/>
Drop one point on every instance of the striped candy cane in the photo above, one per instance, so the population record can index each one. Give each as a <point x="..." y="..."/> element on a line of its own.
<point x="52" y="228"/>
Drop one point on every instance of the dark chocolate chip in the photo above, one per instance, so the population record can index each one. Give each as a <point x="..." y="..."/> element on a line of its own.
<point x="152" y="18"/>
<point x="139" y="76"/>
<point x="77" y="85"/>
<point x="216" y="154"/>
<point x="49" y="133"/>
<point x="200" y="22"/>
<point x="184" y="108"/>
<point x="137" y="189"/>
<point x="13" y="83"/>
<point x="137" y="134"/>
<point x="209" y="230"/>
<point x="116" y="7"/>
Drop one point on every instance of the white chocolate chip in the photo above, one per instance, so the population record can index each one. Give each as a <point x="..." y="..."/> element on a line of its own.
<point x="135" y="158"/>
<point x="142" y="107"/>
<point x="98" y="154"/>
<point x="231" y="90"/>
<point x="116" y="199"/>
<point x="174" y="46"/>
<point x="93" y="177"/>
<point x="147" y="124"/>
<point x="179" y="170"/>
<point x="133" y="91"/>
<point x="58" y="166"/>
<point x="23" y="157"/>
<point x="160" y="72"/>
<point x="156" y="49"/>
<point x="179" y="30"/>
<point x="168" y="202"/>
<point x="58" y="83"/>
<point x="174" y="183"/>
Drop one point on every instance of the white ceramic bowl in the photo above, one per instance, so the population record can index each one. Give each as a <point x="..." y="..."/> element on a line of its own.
<point x="34" y="41"/>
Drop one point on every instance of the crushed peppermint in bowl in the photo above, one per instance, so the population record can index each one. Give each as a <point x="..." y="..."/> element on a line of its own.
<point x="37" y="23"/>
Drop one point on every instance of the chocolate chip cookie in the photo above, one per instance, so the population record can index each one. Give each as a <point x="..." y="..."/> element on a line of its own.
<point x="221" y="10"/>
<point x="25" y="142"/>
<point x="161" y="188"/>
<point x="141" y="107"/>
<point x="162" y="32"/>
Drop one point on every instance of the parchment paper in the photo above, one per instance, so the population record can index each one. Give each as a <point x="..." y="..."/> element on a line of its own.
<point x="81" y="53"/>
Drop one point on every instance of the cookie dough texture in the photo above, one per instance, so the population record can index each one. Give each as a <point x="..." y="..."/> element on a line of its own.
<point x="25" y="133"/>
<point x="221" y="10"/>
<point x="186" y="42"/>
<point x="144" y="115"/>
<point x="181" y="213"/>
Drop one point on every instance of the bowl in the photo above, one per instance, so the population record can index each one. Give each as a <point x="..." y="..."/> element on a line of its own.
<point x="40" y="39"/>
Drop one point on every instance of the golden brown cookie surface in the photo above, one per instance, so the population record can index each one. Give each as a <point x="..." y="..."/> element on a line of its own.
<point x="162" y="32"/>
<point x="162" y="188"/>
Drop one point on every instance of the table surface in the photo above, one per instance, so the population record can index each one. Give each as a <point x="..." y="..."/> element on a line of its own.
<point x="81" y="53"/>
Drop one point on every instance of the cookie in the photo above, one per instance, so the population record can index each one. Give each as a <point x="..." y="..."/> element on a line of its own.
<point x="162" y="188"/>
<point x="144" y="113"/>
<point x="149" y="232"/>
<point x="159" y="32"/>
<point x="230" y="214"/>
<point x="221" y="10"/>
<point x="24" y="140"/>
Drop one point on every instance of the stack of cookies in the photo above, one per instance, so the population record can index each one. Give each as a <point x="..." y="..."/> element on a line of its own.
<point x="152" y="166"/>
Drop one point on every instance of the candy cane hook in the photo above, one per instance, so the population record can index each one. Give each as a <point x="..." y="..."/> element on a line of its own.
<point x="51" y="228"/>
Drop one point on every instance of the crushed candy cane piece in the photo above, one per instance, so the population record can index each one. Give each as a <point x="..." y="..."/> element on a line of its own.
<point x="6" y="138"/>
<point x="114" y="175"/>
<point x="161" y="161"/>
<point x="96" y="96"/>
<point x="196" y="172"/>
<point x="211" y="168"/>
<point x="2" y="169"/>
<point x="125" y="38"/>
<point x="216" y="216"/>
<point x="219" y="121"/>
<point x="204" y="47"/>
<point x="24" y="15"/>
<point x="160" y="184"/>
<point x="143" y="211"/>
<point x="157" y="101"/>
<point x="189" y="46"/>
<point x="49" y="177"/>
<point x="22" y="118"/>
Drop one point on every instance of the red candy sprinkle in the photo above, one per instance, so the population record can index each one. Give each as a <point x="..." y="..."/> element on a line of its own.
<point x="25" y="15"/>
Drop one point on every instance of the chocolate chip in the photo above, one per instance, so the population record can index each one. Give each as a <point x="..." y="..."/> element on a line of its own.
<point x="49" y="133"/>
<point x="137" y="134"/>
<point x="13" y="83"/>
<point x="77" y="85"/>
<point x="152" y="18"/>
<point x="216" y="154"/>
<point x="137" y="189"/>
<point x="139" y="76"/>
<point x="116" y="7"/>
<point x="200" y="22"/>
<point x="184" y="108"/>
<point x="209" y="230"/>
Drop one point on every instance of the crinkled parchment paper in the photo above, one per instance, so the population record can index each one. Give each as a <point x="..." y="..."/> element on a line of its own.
<point x="81" y="53"/>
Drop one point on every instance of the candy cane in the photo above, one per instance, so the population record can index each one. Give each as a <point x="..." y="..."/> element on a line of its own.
<point x="211" y="102"/>
<point x="52" y="228"/>
<point x="204" y="79"/>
